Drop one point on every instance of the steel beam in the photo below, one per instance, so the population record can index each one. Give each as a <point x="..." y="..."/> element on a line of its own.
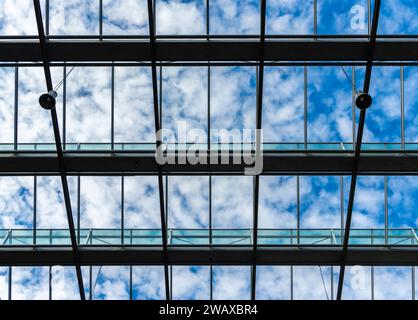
<point x="203" y="50"/>
<point x="209" y="255"/>
<point x="119" y="163"/>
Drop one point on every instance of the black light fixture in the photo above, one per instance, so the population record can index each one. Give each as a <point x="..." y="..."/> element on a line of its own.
<point x="47" y="100"/>
<point x="363" y="101"/>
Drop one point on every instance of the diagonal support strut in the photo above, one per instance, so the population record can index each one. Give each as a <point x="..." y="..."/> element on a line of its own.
<point x="151" y="24"/>
<point x="356" y="160"/>
<point x="60" y="154"/>
<point x="256" y="178"/>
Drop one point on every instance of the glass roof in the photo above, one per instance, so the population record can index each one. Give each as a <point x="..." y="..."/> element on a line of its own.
<point x="305" y="108"/>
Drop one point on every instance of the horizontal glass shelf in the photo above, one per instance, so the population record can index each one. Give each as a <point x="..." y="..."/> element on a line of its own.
<point x="267" y="147"/>
<point x="21" y="237"/>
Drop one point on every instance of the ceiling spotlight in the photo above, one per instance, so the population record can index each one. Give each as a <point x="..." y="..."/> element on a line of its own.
<point x="47" y="100"/>
<point x="363" y="101"/>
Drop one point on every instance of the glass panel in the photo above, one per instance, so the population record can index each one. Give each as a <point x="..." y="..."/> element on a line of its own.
<point x="142" y="203"/>
<point x="74" y="17"/>
<point x="64" y="283"/>
<point x="191" y="283"/>
<point x="16" y="202"/>
<point x="234" y="17"/>
<point x="233" y="103"/>
<point x="273" y="283"/>
<point x="110" y="283"/>
<point x="383" y="121"/>
<point x="7" y="91"/>
<point x="411" y="104"/>
<point x="289" y="17"/>
<point x="89" y="105"/>
<point x="51" y="212"/>
<point x="369" y="202"/>
<point x="192" y="237"/>
<point x="17" y="17"/>
<point x="277" y="202"/>
<point x="180" y="17"/>
<point x="312" y="282"/>
<point x="30" y="283"/>
<point x="343" y="17"/>
<point x="134" y="113"/>
<point x="283" y="104"/>
<point x="231" y="237"/>
<point x="125" y="17"/>
<point x="224" y="276"/>
<point x="4" y="283"/>
<point x="184" y="106"/>
<point x="34" y="123"/>
<point x="232" y="206"/>
<point x="320" y="202"/>
<point x="392" y="283"/>
<point x="188" y="202"/>
<point x="357" y="283"/>
<point x="100" y="202"/>
<point x="402" y="192"/>
<point x="398" y="17"/>
<point x="148" y="283"/>
<point x="330" y="104"/>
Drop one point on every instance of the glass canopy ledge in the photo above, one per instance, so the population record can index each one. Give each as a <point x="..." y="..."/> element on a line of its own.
<point x="150" y="237"/>
<point x="267" y="147"/>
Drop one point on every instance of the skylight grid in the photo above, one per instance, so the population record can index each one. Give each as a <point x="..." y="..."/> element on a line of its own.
<point x="92" y="177"/>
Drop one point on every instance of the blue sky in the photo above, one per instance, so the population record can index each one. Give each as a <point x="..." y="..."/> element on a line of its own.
<point x="232" y="102"/>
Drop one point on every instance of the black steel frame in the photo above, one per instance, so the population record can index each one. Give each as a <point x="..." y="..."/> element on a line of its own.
<point x="207" y="50"/>
<point x="303" y="255"/>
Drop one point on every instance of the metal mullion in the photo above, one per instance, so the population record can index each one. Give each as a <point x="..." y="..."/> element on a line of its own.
<point x="385" y="182"/>
<point x="78" y="209"/>
<point x="91" y="283"/>
<point x="357" y="152"/>
<point x="298" y="209"/>
<point x="291" y="283"/>
<point x="209" y="137"/>
<point x="158" y="144"/>
<point x="315" y="8"/>
<point x="34" y="208"/>
<point x="9" y="280"/>
<point x="332" y="282"/>
<point x="16" y="109"/>
<point x="402" y="107"/>
<point x="256" y="179"/>
<point x="413" y="282"/>
<point x="305" y="107"/>
<point x="50" y="282"/>
<point x="122" y="209"/>
<point x="100" y="19"/>
<point x="112" y="110"/>
<point x="342" y="206"/>
<point x="130" y="283"/>
<point x="47" y="17"/>
<point x="353" y="105"/>
<point x="369" y="16"/>
<point x="209" y="151"/>
<point x="64" y="107"/>
<point x="61" y="160"/>
<point x="372" y="270"/>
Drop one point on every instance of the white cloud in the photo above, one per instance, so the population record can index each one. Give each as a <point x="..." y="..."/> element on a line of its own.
<point x="178" y="17"/>
<point x="125" y="17"/>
